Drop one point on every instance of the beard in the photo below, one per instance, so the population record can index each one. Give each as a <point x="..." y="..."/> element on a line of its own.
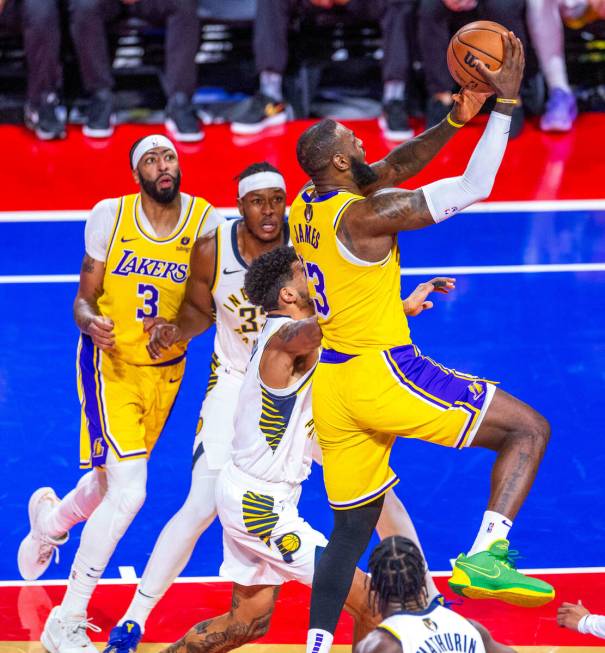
<point x="363" y="174"/>
<point x="162" y="195"/>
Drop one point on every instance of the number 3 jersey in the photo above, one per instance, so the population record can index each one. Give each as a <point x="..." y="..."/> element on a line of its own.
<point x="238" y="322"/>
<point x="358" y="303"/>
<point x="145" y="275"/>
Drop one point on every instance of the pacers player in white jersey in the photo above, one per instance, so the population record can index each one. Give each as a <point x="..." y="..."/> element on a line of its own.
<point x="411" y="623"/>
<point x="135" y="267"/>
<point x="265" y="541"/>
<point x="215" y="294"/>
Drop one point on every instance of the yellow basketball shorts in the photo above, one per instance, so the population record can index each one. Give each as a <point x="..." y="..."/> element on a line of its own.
<point x="362" y="403"/>
<point x="124" y="406"/>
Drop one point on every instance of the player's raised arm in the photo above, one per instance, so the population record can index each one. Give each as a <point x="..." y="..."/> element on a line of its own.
<point x="388" y="211"/>
<point x="195" y="313"/>
<point x="409" y="158"/>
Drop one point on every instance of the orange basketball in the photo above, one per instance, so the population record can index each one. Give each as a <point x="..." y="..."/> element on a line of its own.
<point x="479" y="40"/>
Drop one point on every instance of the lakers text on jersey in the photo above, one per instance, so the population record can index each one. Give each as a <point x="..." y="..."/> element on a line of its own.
<point x="125" y="396"/>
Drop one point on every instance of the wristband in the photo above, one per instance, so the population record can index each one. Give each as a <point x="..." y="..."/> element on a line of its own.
<point x="452" y="123"/>
<point x="504" y="100"/>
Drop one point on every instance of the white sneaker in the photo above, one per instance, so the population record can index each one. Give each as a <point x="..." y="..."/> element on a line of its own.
<point x="66" y="636"/>
<point x="37" y="548"/>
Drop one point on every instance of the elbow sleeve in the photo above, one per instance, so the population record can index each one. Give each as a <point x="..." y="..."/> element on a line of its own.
<point x="447" y="197"/>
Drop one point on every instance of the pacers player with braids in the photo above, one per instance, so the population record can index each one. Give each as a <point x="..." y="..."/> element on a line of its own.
<point x="372" y="384"/>
<point x="135" y="267"/>
<point x="265" y="541"/>
<point x="411" y="623"/>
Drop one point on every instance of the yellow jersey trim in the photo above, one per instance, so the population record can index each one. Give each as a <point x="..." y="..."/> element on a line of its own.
<point x="202" y="221"/>
<point x="217" y="260"/>
<point x="342" y="210"/>
<point x="173" y="236"/>
<point x="390" y="631"/>
<point x="116" y="224"/>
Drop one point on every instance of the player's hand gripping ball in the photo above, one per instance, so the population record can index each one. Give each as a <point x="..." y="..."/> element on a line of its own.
<point x="479" y="40"/>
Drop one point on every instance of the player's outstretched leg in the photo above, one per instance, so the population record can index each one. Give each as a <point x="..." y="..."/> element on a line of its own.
<point x="170" y="554"/>
<point x="519" y="435"/>
<point x="248" y="619"/>
<point x="50" y="520"/>
<point x="336" y="568"/>
<point x="65" y="630"/>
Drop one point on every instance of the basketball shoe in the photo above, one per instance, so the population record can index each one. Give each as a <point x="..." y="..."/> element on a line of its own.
<point x="258" y="113"/>
<point x="66" y="635"/>
<point x="37" y="548"/>
<point x="561" y="111"/>
<point x="492" y="574"/>
<point x="394" y="121"/>
<point x="124" y="638"/>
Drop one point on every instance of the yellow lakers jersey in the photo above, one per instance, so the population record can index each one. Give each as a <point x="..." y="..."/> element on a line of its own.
<point x="145" y="276"/>
<point x="358" y="303"/>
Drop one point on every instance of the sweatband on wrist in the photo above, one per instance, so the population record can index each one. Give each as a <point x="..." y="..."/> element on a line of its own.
<point x="452" y="123"/>
<point x="447" y="197"/>
<point x="148" y="143"/>
<point x="504" y="100"/>
<point x="260" y="180"/>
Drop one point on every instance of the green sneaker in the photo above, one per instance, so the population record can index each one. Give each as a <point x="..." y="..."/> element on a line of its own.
<point x="492" y="574"/>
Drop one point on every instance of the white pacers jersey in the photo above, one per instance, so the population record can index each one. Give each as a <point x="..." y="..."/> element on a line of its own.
<point x="238" y="322"/>
<point x="273" y="427"/>
<point x="435" y="630"/>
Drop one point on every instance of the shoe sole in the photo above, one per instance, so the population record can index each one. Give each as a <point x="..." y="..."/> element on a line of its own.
<point x="33" y="500"/>
<point x="523" y="598"/>
<point x="42" y="135"/>
<point x="48" y="646"/>
<point x="179" y="136"/>
<point x="99" y="133"/>
<point x="394" y="135"/>
<point x="245" y="129"/>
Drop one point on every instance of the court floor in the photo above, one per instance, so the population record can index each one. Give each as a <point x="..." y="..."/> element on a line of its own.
<point x="528" y="311"/>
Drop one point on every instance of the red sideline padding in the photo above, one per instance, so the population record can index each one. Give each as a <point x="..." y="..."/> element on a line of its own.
<point x="78" y="172"/>
<point x="23" y="611"/>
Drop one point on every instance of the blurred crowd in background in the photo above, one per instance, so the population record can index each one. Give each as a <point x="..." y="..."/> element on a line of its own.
<point x="276" y="56"/>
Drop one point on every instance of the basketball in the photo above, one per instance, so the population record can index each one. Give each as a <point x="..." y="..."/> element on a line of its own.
<point x="479" y="40"/>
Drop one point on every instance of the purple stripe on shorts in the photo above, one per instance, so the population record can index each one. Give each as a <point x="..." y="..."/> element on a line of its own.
<point x="362" y="500"/>
<point x="172" y="361"/>
<point x="333" y="356"/>
<point x="438" y="382"/>
<point x="88" y="375"/>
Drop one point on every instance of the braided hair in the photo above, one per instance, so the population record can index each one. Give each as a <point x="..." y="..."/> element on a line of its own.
<point x="397" y="571"/>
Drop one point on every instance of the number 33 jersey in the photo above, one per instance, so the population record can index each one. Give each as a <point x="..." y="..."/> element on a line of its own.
<point x="145" y="276"/>
<point x="238" y="322"/>
<point x="358" y="303"/>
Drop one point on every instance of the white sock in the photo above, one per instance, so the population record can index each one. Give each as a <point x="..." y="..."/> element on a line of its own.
<point x="493" y="527"/>
<point x="393" y="90"/>
<point x="546" y="29"/>
<point x="83" y="579"/>
<point x="319" y="641"/>
<point x="175" y="544"/>
<point x="78" y="505"/>
<point x="271" y="85"/>
<point x="395" y="520"/>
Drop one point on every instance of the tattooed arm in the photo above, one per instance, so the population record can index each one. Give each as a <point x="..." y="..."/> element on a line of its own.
<point x="290" y="353"/>
<point x="196" y="312"/>
<point x="86" y="312"/>
<point x="411" y="157"/>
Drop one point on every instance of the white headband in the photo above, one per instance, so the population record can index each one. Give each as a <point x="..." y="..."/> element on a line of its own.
<point x="260" y="180"/>
<point x="148" y="143"/>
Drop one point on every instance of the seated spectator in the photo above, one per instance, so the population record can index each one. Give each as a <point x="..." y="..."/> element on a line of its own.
<point x="577" y="617"/>
<point x="437" y="22"/>
<point x="267" y="107"/>
<point x="88" y="21"/>
<point x="545" y="21"/>
<point x="39" y="23"/>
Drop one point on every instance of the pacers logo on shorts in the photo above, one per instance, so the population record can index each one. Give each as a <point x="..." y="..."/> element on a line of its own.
<point x="287" y="545"/>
